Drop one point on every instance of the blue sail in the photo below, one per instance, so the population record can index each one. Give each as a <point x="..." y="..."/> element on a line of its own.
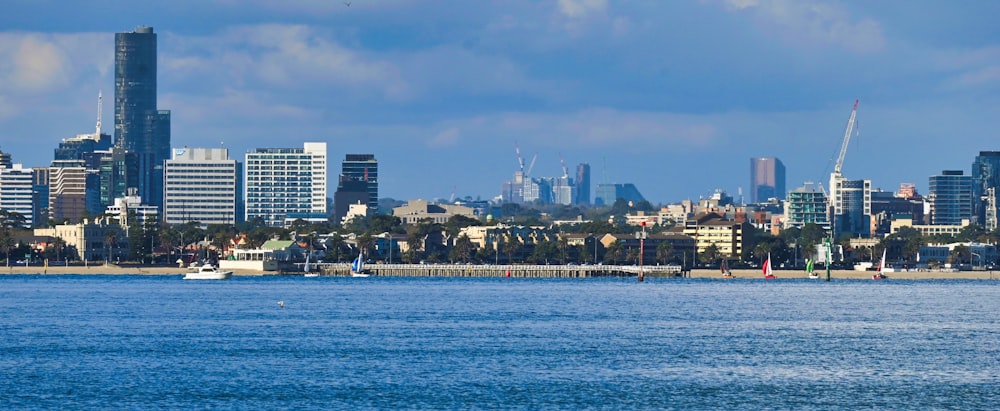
<point x="356" y="265"/>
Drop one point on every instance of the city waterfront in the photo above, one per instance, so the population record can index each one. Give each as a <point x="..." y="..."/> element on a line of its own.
<point x="140" y="342"/>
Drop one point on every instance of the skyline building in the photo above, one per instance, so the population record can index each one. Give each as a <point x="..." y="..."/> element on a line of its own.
<point x="806" y="204"/>
<point x="985" y="182"/>
<point x="16" y="191"/>
<point x="68" y="191"/>
<point x="40" y="195"/>
<point x="582" y="184"/>
<point x="852" y="205"/>
<point x="203" y="185"/>
<point x="767" y="179"/>
<point x="608" y="194"/>
<point x="349" y="192"/>
<point x="950" y="198"/>
<point x="139" y="127"/>
<point x="364" y="168"/>
<point x="286" y="184"/>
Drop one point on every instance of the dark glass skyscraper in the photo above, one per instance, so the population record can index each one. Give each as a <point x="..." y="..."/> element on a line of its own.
<point x="362" y="167"/>
<point x="139" y="127"/>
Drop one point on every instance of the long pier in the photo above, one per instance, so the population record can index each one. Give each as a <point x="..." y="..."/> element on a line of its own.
<point x="516" y="270"/>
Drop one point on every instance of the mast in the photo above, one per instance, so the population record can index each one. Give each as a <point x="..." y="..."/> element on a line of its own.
<point x="97" y="134"/>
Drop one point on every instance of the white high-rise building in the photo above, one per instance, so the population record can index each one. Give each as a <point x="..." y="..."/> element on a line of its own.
<point x="15" y="191"/>
<point x="203" y="185"/>
<point x="284" y="184"/>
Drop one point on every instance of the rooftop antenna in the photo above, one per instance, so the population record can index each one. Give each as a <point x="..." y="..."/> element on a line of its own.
<point x="100" y="100"/>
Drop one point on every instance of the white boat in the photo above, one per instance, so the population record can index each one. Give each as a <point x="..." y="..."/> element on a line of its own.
<point x="306" y="268"/>
<point x="358" y="266"/>
<point x="809" y="269"/>
<point x="208" y="272"/>
<point x="880" y="274"/>
<point x="768" y="271"/>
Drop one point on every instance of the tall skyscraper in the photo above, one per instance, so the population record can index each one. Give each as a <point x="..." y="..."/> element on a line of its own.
<point x="582" y="184"/>
<point x="203" y="185"/>
<point x="363" y="167"/>
<point x="767" y="179"/>
<point x="286" y="184"/>
<point x="985" y="184"/>
<point x="950" y="198"/>
<point x="139" y="127"/>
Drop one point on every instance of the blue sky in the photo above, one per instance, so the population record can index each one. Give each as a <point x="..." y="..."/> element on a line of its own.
<point x="674" y="96"/>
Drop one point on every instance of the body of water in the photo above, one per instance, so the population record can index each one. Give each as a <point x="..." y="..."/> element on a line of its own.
<point x="148" y="342"/>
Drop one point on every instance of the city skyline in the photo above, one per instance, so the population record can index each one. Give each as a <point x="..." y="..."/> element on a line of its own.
<point x="673" y="98"/>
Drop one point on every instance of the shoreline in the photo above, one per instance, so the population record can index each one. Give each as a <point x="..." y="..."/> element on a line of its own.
<point x="697" y="273"/>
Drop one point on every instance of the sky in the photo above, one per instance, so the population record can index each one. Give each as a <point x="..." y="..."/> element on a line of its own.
<point x="673" y="96"/>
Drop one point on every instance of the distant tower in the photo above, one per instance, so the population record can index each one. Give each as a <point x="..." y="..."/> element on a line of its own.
<point x="139" y="127"/>
<point x="985" y="184"/>
<point x="767" y="179"/>
<point x="363" y="167"/>
<point x="950" y="197"/>
<point x="582" y="184"/>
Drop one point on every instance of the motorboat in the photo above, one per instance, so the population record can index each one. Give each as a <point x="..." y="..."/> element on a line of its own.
<point x="208" y="272"/>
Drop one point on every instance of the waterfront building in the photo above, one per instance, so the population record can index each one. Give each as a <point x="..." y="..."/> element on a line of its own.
<point x="767" y="179"/>
<point x="806" y="204"/>
<point x="607" y="194"/>
<point x="364" y="168"/>
<point x="950" y="198"/>
<point x="678" y="245"/>
<point x="140" y="128"/>
<point x="985" y="184"/>
<point x="281" y="182"/>
<point x="120" y="210"/>
<point x="729" y="237"/>
<point x="90" y="240"/>
<point x="16" y="184"/>
<point x="417" y="210"/>
<point x="203" y="185"/>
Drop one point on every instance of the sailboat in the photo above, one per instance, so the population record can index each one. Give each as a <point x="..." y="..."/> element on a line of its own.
<point x="880" y="274"/>
<point x="724" y="267"/>
<point x="358" y="266"/>
<point x="768" y="271"/>
<point x="809" y="269"/>
<point x="307" y="267"/>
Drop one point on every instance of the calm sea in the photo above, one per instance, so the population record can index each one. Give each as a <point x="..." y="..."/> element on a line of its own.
<point x="136" y="342"/>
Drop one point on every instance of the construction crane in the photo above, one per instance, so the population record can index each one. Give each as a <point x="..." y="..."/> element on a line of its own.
<point x="847" y="139"/>
<point x="520" y="160"/>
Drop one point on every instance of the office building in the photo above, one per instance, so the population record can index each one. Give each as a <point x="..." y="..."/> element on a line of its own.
<point x="852" y="207"/>
<point x="608" y="194"/>
<point x="118" y="172"/>
<point x="140" y="128"/>
<point x="68" y="191"/>
<point x="286" y="183"/>
<point x="349" y="193"/>
<point x="767" y="179"/>
<point x="363" y="167"/>
<point x="950" y="198"/>
<point x="40" y="195"/>
<point x="16" y="192"/>
<point x="582" y="184"/>
<point x="985" y="184"/>
<point x="805" y="205"/>
<point x="203" y="185"/>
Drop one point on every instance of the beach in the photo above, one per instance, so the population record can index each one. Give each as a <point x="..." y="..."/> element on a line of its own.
<point x="112" y="269"/>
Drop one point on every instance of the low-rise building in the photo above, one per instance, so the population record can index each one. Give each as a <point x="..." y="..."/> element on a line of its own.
<point x="417" y="210"/>
<point x="98" y="240"/>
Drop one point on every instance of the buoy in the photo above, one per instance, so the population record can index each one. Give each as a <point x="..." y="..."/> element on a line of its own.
<point x="508" y="273"/>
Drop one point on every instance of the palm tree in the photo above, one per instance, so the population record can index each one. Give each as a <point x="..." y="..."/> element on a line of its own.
<point x="58" y="243"/>
<point x="663" y="251"/>
<point x="110" y="243"/>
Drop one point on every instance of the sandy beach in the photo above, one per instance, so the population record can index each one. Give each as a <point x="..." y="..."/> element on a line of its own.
<point x="713" y="273"/>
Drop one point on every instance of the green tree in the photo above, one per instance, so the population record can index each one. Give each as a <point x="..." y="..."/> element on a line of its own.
<point x="463" y="249"/>
<point x="663" y="252"/>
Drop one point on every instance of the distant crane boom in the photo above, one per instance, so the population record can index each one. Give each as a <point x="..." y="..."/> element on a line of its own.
<point x="520" y="160"/>
<point x="847" y="139"/>
<point x="531" y="166"/>
<point x="563" y="162"/>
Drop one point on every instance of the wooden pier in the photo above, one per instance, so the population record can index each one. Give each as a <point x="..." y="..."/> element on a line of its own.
<point x="499" y="271"/>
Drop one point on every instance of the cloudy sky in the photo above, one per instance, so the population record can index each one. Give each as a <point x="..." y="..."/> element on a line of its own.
<point x="674" y="96"/>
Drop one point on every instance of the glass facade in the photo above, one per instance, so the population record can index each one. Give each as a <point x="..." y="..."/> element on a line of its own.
<point x="985" y="181"/>
<point x="363" y="167"/>
<point x="139" y="127"/>
<point x="767" y="179"/>
<point x="282" y="182"/>
<point x="950" y="198"/>
<point x="582" y="184"/>
<point x="806" y="205"/>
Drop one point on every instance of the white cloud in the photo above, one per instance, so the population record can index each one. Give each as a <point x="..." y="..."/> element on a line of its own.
<point x="445" y="138"/>
<point x="581" y="8"/>
<point x="810" y="22"/>
<point x="33" y="63"/>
